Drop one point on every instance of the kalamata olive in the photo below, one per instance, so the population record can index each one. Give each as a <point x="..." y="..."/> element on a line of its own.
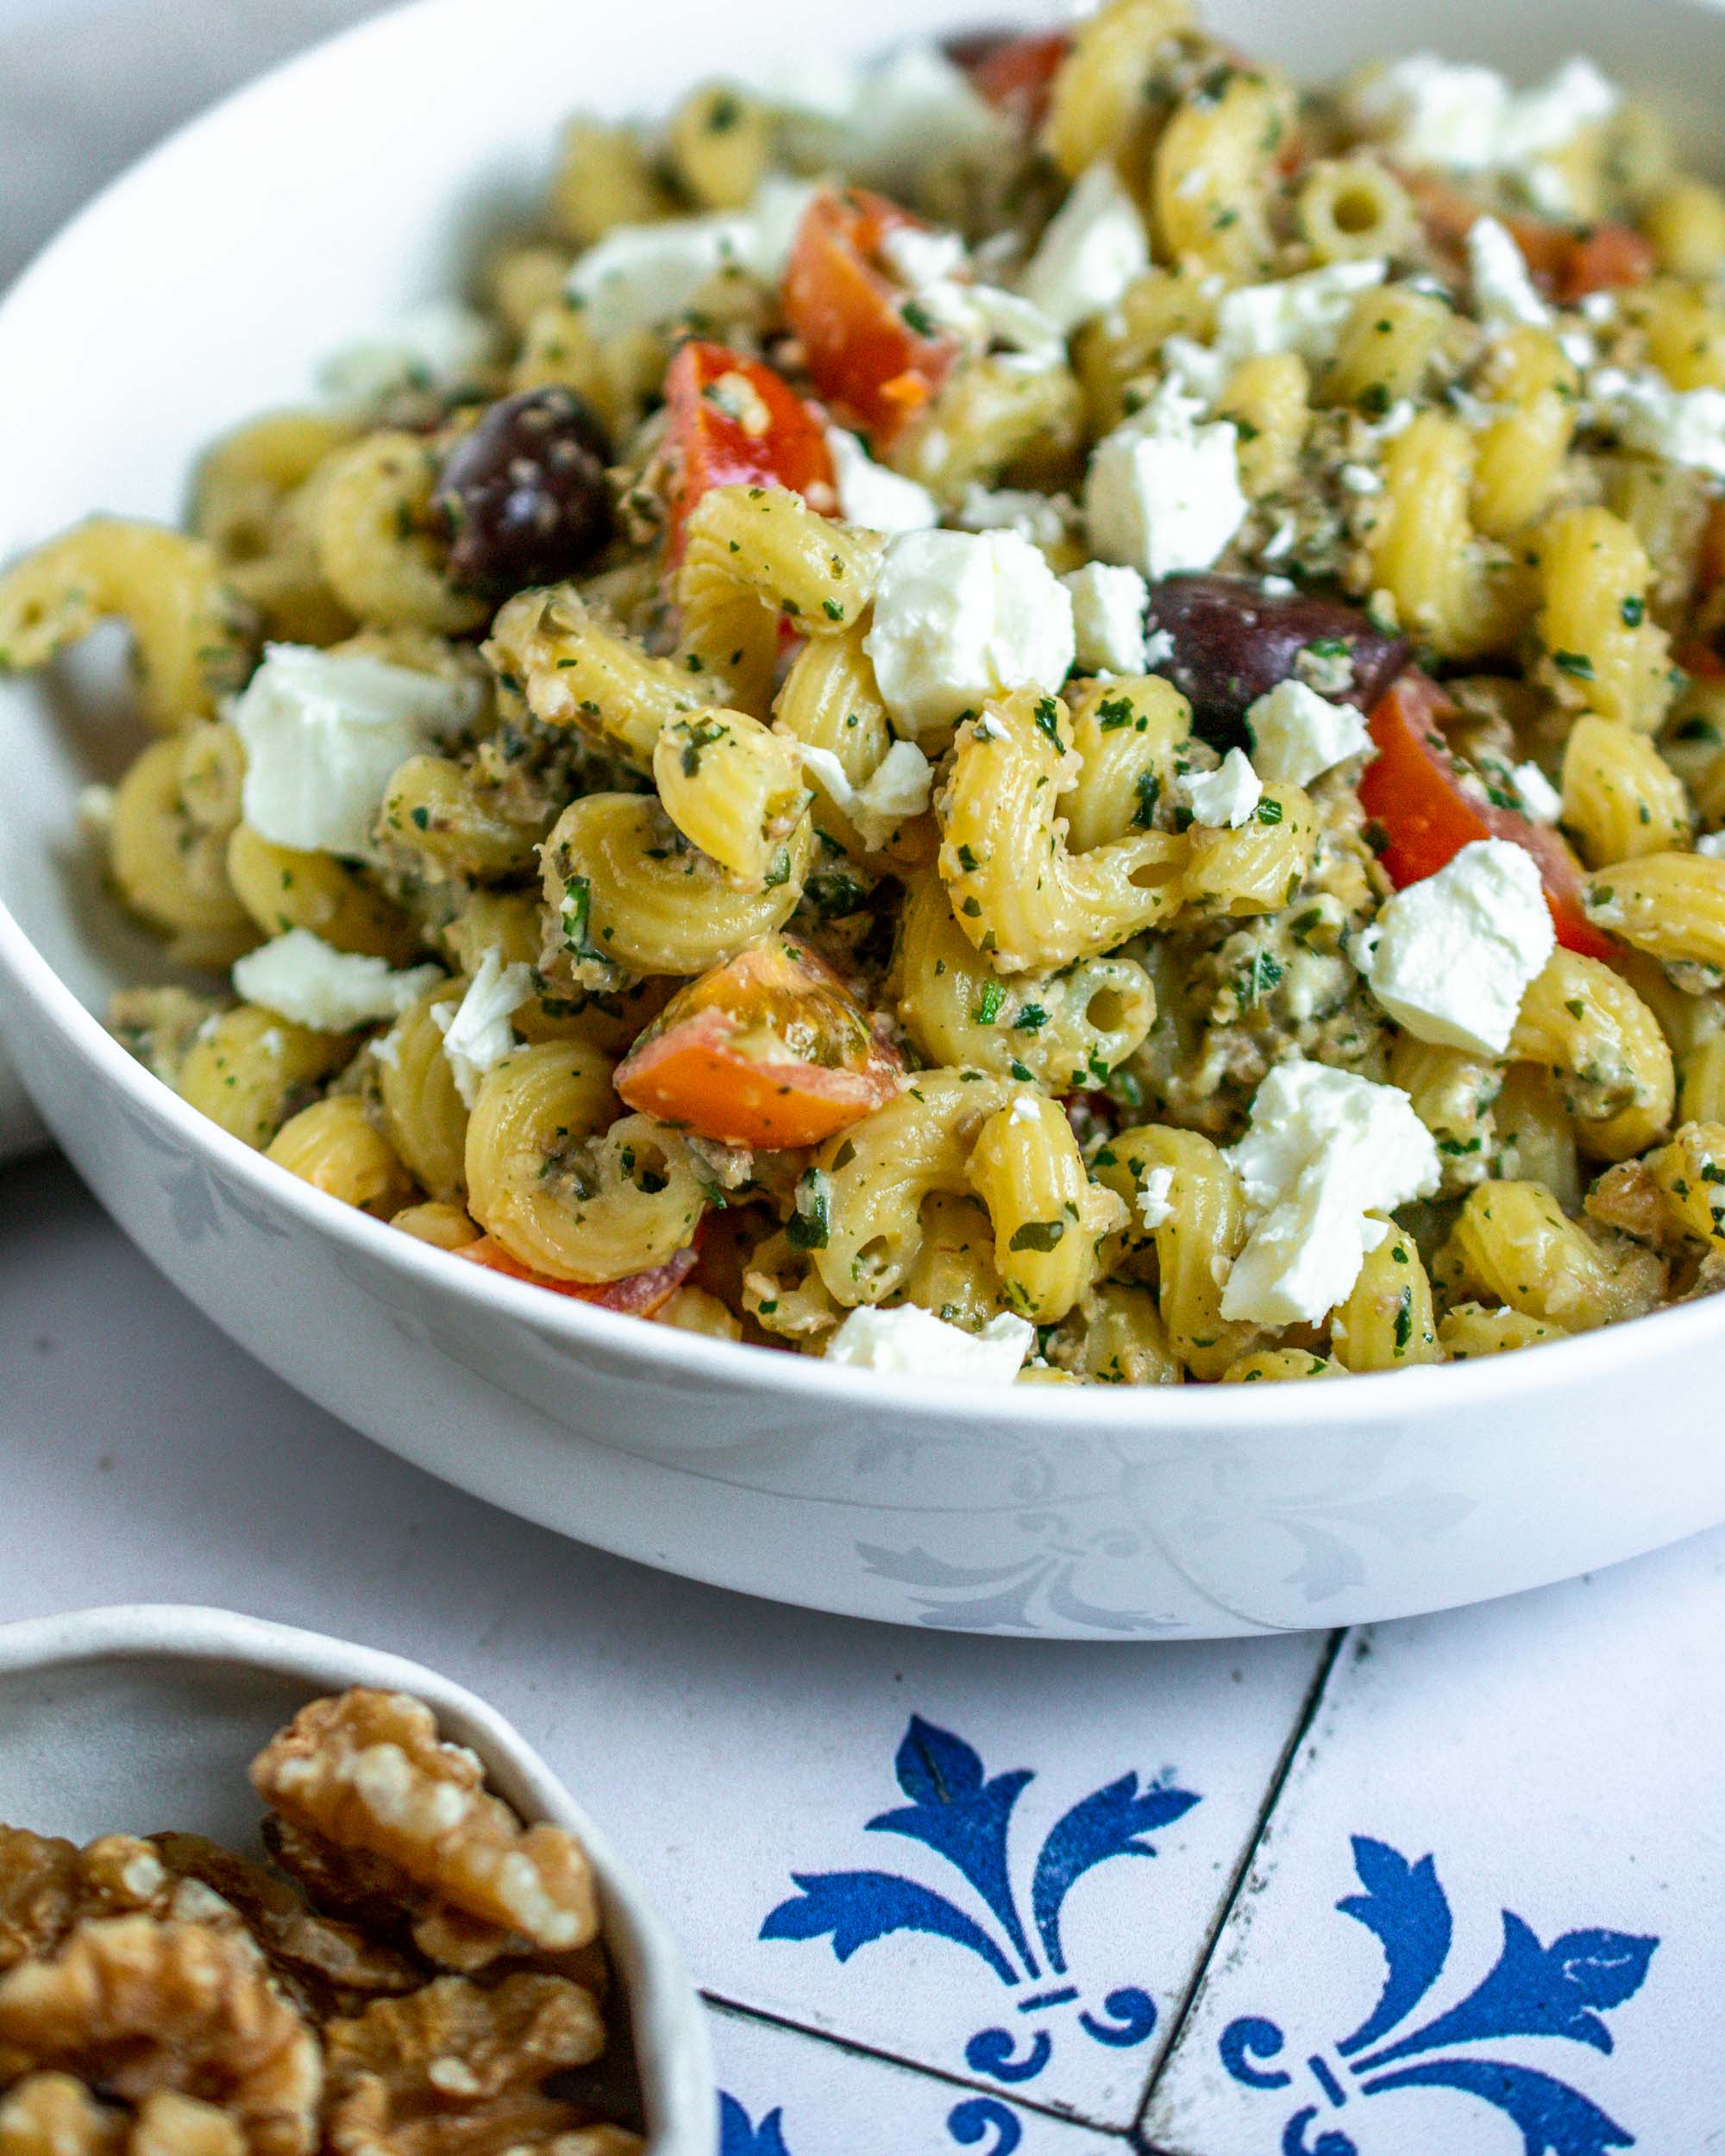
<point x="524" y="497"/>
<point x="1232" y="643"/>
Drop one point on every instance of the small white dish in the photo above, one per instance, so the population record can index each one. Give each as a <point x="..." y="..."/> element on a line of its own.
<point x="205" y="286"/>
<point x="140" y="1718"/>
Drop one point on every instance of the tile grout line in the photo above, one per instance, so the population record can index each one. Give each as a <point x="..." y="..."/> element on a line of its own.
<point x="1272" y="1796"/>
<point x="850" y="2045"/>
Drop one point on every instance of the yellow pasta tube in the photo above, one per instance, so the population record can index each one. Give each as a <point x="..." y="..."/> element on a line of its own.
<point x="1605" y="653"/>
<point x="1513" y="1241"/>
<point x="334" y="1146"/>
<point x="1587" y="1025"/>
<point x="190" y="632"/>
<point x="1669" y="905"/>
<point x="1387" y="1322"/>
<point x="1620" y="799"/>
<point x="250" y="1070"/>
<point x="1018" y="892"/>
<point x="733" y="788"/>
<point x="1048" y="1216"/>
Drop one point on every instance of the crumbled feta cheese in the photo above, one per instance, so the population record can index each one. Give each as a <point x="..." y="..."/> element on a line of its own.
<point x="910" y="1343"/>
<point x="1280" y="541"/>
<point x="640" y="275"/>
<point x="922" y="259"/>
<point x="1302" y="315"/>
<point x="1579" y="348"/>
<point x="477" y="1033"/>
<point x="1360" y="478"/>
<point x="1042" y="518"/>
<point x="1163" y="493"/>
<point x="883" y="126"/>
<point x="1539" y="798"/>
<point x="1093" y="248"/>
<point x="323" y="733"/>
<point x="1154" y="1199"/>
<point x="1108" y="617"/>
<point x="440" y="345"/>
<point x="899" y="787"/>
<point x="1711" y="845"/>
<point x="935" y="266"/>
<point x="301" y="978"/>
<point x="1277" y="586"/>
<point x="1024" y="1109"/>
<point x="1599" y="307"/>
<point x="873" y="495"/>
<point x="1158" y="649"/>
<point x="1450" y="958"/>
<point x="1467" y="119"/>
<point x="1225" y="798"/>
<point x="1503" y="290"/>
<point x="960" y="616"/>
<point x="1296" y="735"/>
<point x="1323" y="1149"/>
<point x="1682" y="426"/>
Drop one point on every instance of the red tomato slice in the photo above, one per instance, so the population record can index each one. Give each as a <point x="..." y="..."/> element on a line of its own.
<point x="1567" y="263"/>
<point x="1413" y="790"/>
<point x="770" y="1049"/>
<point x="638" y="1296"/>
<point x="735" y="422"/>
<point x="865" y="359"/>
<point x="1015" y="74"/>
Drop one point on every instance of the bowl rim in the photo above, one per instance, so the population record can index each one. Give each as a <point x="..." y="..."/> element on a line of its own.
<point x="673" y="2055"/>
<point x="1423" y="1394"/>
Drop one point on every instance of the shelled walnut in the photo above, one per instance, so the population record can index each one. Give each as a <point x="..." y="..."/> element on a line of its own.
<point x="416" y="1973"/>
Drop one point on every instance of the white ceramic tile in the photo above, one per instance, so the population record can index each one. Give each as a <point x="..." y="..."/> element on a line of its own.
<point x="730" y="1745"/>
<point x="1489" y="1910"/>
<point x="783" y="2093"/>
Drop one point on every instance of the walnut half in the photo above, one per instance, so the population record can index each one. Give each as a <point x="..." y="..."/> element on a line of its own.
<point x="367" y="1772"/>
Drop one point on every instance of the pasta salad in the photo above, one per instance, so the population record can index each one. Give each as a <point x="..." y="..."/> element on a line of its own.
<point x="1051" y="712"/>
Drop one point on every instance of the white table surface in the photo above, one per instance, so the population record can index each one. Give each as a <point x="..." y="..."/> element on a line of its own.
<point x="1172" y="1937"/>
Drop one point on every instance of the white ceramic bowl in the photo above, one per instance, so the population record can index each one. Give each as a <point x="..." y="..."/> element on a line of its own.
<point x="137" y="1719"/>
<point x="205" y="286"/>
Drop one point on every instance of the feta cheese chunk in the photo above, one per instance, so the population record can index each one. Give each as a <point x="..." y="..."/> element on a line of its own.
<point x="1298" y="735"/>
<point x="1324" y="1149"/>
<point x="1711" y="845"/>
<point x="1225" y="798"/>
<point x="1092" y="249"/>
<point x="639" y="276"/>
<point x="302" y="978"/>
<point x="1503" y="290"/>
<point x="1154" y="1199"/>
<point x="1041" y="519"/>
<point x="960" y="616"/>
<point x="1108" y="607"/>
<point x="1303" y="315"/>
<point x="477" y="1033"/>
<point x="1163" y="493"/>
<point x="899" y="788"/>
<point x="323" y="733"/>
<point x="872" y="495"/>
<point x="883" y="126"/>
<point x="910" y="1343"/>
<point x="1450" y="958"/>
<point x="440" y="345"/>
<point x="1645" y="413"/>
<point x="1467" y="119"/>
<point x="1539" y="798"/>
